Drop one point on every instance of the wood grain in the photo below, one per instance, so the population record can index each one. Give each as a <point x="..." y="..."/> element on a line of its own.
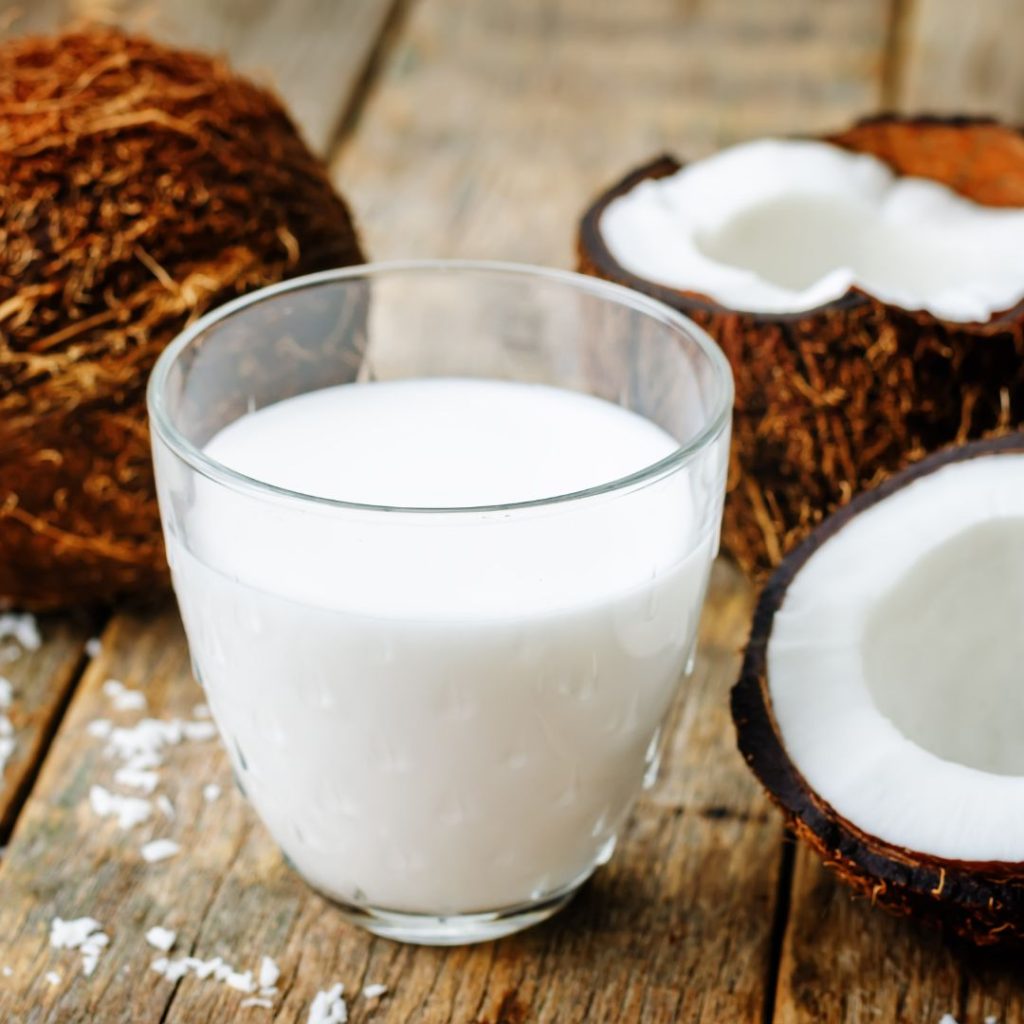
<point x="844" y="961"/>
<point x="493" y="124"/>
<point x="65" y="861"/>
<point x="42" y="681"/>
<point x="313" y="52"/>
<point x="961" y="58"/>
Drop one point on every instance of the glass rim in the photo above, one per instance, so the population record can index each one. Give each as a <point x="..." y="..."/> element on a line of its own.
<point x="193" y="456"/>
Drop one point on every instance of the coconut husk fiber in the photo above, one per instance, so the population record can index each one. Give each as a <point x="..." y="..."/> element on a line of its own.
<point x="140" y="186"/>
<point x="833" y="400"/>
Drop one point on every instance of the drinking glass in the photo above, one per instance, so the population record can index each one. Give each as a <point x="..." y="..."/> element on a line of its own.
<point x="442" y="715"/>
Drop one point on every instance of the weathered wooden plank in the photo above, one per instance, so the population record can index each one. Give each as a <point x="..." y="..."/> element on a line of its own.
<point x="961" y="58"/>
<point x="847" y="963"/>
<point x="313" y="52"/>
<point x="493" y="124"/>
<point x="66" y="861"/>
<point x="40" y="680"/>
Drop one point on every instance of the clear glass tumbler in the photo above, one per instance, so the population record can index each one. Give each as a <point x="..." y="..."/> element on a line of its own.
<point x="442" y="715"/>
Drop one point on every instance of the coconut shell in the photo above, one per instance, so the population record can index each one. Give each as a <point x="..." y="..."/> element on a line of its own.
<point x="141" y="187"/>
<point x="833" y="400"/>
<point x="983" y="903"/>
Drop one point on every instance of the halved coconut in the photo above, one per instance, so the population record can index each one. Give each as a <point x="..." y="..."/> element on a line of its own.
<point x="881" y="701"/>
<point x="866" y="287"/>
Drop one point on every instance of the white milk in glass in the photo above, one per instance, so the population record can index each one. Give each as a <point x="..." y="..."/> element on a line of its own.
<point x="449" y="711"/>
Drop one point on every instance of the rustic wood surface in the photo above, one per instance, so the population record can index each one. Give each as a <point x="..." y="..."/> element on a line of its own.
<point x="480" y="128"/>
<point x="314" y="53"/>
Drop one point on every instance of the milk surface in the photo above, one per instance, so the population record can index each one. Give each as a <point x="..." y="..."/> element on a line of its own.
<point x="441" y="712"/>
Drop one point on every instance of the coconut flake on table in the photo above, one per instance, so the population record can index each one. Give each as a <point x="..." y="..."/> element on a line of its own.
<point x="94" y="647"/>
<point x="784" y="225"/>
<point x="164" y="805"/>
<point x="198" y="731"/>
<point x="52" y="977"/>
<point x="214" y="968"/>
<point x="143" y="743"/>
<point x="7" y="742"/>
<point x="7" y="972"/>
<point x="201" y="711"/>
<point x="329" y="1007"/>
<point x="100" y="728"/>
<point x="129" y="810"/>
<point x="123" y="698"/>
<point x="144" y="780"/>
<point x="269" y="972"/>
<point x="266" y="1004"/>
<point x="6" y="692"/>
<point x="211" y="791"/>
<point x="22" y="628"/>
<point x="161" y="938"/>
<point x="159" y="849"/>
<point x="374" y="991"/>
<point x="83" y="934"/>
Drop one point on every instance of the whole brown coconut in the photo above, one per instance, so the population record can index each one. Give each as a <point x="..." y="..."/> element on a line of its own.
<point x="139" y="187"/>
<point x="981" y="902"/>
<point x="832" y="400"/>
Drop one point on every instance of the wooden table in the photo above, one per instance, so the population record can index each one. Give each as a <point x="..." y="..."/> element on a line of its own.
<point x="480" y="128"/>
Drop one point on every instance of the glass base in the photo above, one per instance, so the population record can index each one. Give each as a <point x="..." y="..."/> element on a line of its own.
<point x="459" y="930"/>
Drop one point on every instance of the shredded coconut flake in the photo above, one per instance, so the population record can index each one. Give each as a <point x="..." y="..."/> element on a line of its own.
<point x="159" y="849"/>
<point x="374" y="991"/>
<point x="123" y="698"/>
<point x="7" y="743"/>
<point x="136" y="778"/>
<point x="166" y="808"/>
<point x="211" y="791"/>
<point x="53" y="977"/>
<point x="99" y="728"/>
<point x="329" y="1007"/>
<point x="94" y="647"/>
<point x="6" y="692"/>
<point x="161" y="938"/>
<point x="214" y="968"/>
<point x="241" y="980"/>
<point x="265" y="1003"/>
<point x="83" y="934"/>
<point x="21" y="628"/>
<point x="269" y="972"/>
<point x="199" y="730"/>
<point x="201" y="711"/>
<point x="145" y="739"/>
<point x="129" y="810"/>
<point x="948" y="1018"/>
<point x="7" y="972"/>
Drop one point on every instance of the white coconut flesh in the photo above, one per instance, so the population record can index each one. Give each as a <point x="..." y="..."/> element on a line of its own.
<point x="896" y="665"/>
<point x="778" y="226"/>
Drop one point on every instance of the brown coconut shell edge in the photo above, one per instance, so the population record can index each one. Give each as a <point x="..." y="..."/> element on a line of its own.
<point x="980" y="902"/>
<point x="831" y="400"/>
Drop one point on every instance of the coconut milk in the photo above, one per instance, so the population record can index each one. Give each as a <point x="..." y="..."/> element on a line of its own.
<point x="441" y="712"/>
